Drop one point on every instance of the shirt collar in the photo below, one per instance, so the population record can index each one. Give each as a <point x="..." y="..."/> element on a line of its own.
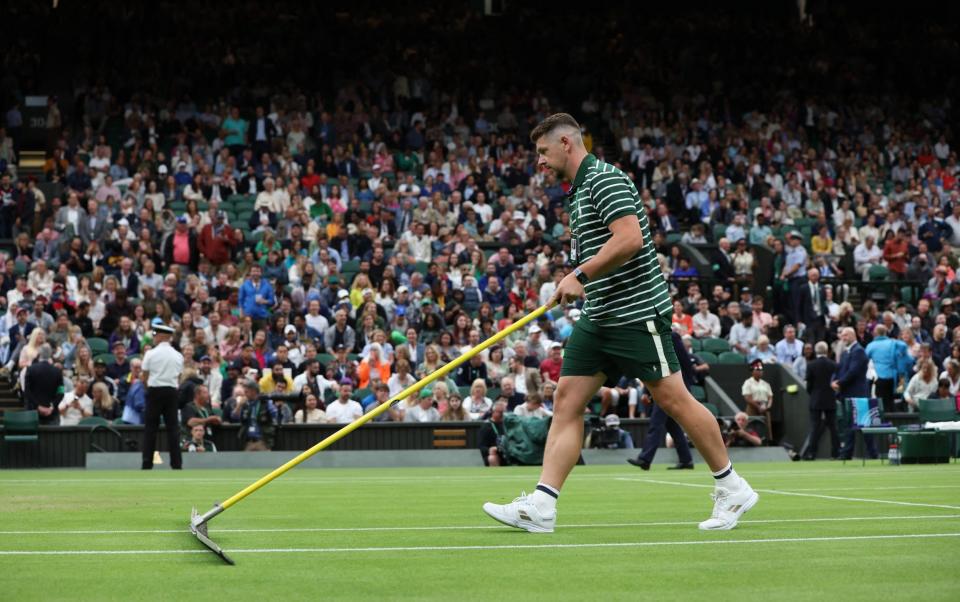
<point x="586" y="164"/>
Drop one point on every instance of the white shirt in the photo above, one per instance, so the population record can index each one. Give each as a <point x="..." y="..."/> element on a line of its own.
<point x="343" y="413"/>
<point x="71" y="416"/>
<point x="164" y="363"/>
<point x="706" y="325"/>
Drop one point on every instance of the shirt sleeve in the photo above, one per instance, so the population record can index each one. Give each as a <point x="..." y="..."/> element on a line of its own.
<point x="613" y="196"/>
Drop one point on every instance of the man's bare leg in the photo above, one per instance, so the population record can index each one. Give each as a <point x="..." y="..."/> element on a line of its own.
<point x="565" y="438"/>
<point x="673" y="398"/>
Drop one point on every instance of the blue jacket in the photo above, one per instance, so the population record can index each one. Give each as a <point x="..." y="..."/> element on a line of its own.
<point x="134" y="403"/>
<point x="890" y="357"/>
<point x="852" y="373"/>
<point x="248" y="298"/>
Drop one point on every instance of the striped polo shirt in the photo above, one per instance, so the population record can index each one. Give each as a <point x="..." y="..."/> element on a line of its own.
<point x="636" y="291"/>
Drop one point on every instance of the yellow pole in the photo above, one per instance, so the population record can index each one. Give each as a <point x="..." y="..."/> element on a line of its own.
<point x="423" y="382"/>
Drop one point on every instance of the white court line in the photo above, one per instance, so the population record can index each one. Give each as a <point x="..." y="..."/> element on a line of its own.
<point x="902" y="472"/>
<point x="548" y="546"/>
<point x="773" y="521"/>
<point x="798" y="494"/>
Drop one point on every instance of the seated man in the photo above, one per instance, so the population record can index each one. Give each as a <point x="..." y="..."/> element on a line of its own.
<point x="491" y="434"/>
<point x="197" y="443"/>
<point x="424" y="410"/>
<point x="740" y="434"/>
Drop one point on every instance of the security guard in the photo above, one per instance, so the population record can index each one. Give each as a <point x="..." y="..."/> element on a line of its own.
<point x="162" y="367"/>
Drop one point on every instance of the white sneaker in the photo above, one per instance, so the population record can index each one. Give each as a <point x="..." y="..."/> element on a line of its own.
<point x="729" y="506"/>
<point x="522" y="513"/>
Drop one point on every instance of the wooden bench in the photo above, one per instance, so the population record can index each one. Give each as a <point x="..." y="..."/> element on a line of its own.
<point x="449" y="438"/>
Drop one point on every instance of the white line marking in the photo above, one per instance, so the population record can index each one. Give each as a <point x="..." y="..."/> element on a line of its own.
<point x="548" y="546"/>
<point x="772" y="521"/>
<point x="797" y="494"/>
<point x="138" y="479"/>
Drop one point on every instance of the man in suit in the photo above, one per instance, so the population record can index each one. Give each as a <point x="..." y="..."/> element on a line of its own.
<point x="128" y="278"/>
<point x="93" y="225"/>
<point x="677" y="193"/>
<point x="43" y="386"/>
<point x="665" y="222"/>
<point x="250" y="183"/>
<point x="660" y="420"/>
<point x="823" y="403"/>
<point x="724" y="265"/>
<point x="812" y="308"/>
<point x="261" y="132"/>
<point x="850" y="380"/>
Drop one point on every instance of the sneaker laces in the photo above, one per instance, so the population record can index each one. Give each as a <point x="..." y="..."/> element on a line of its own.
<point x="719" y="496"/>
<point x="521" y="498"/>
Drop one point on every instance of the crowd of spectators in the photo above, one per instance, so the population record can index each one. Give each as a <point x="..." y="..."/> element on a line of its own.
<point x="338" y="245"/>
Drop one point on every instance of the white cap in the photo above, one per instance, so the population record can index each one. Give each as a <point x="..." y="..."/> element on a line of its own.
<point x="289" y="328"/>
<point x="534" y="329"/>
<point x="342" y="293"/>
<point x="574" y="314"/>
<point x="402" y="289"/>
<point x="366" y="291"/>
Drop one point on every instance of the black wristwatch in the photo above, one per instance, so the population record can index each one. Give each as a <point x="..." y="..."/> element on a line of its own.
<point x="581" y="277"/>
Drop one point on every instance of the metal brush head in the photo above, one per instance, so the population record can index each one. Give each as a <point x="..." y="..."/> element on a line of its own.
<point x="199" y="528"/>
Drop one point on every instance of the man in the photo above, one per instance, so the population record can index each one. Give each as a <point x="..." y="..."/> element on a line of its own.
<point x="891" y="360"/>
<point x="789" y="348"/>
<point x="344" y="409"/>
<point x="76" y="405"/>
<point x="340" y="333"/>
<point x="161" y="369"/>
<point x="744" y="335"/>
<point x="472" y="370"/>
<point x="551" y="367"/>
<point x="198" y="441"/>
<point x="660" y="421"/>
<point x="199" y="413"/>
<point x="134" y="402"/>
<point x="43" y="386"/>
<point x="217" y="241"/>
<point x="257" y="418"/>
<point x="812" y="307"/>
<point x="424" y="410"/>
<point x="491" y="435"/>
<point x="622" y="331"/>
<point x="794" y="267"/>
<point x="823" y="403"/>
<point x="180" y="247"/>
<point x="705" y="323"/>
<point x="850" y="380"/>
<point x="256" y="297"/>
<point x="268" y="384"/>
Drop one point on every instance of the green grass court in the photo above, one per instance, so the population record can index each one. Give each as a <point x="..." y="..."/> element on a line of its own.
<point x="822" y="531"/>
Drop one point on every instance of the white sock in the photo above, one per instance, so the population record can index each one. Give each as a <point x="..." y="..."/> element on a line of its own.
<point x="727" y="477"/>
<point x="544" y="497"/>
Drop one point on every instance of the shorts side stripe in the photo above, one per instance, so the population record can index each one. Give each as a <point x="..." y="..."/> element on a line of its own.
<point x="658" y="343"/>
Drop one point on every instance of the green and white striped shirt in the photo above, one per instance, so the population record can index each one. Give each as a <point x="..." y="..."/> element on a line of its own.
<point x="636" y="291"/>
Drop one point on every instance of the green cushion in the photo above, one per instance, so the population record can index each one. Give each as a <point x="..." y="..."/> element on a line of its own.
<point x="21" y="438"/>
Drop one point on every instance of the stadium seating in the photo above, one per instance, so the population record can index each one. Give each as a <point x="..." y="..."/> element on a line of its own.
<point x="732" y="357"/>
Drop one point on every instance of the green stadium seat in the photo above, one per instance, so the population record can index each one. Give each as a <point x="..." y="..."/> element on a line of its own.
<point x="106" y="357"/>
<point x="696" y="344"/>
<point x="21" y="427"/>
<point x="699" y="393"/>
<point x="712" y="407"/>
<point x="98" y="346"/>
<point x="464" y="391"/>
<point x="715" y="345"/>
<point x="879" y="272"/>
<point x="708" y="357"/>
<point x="732" y="357"/>
<point x="350" y="266"/>
<point x="94" y="421"/>
<point x="325" y="358"/>
<point x="937" y="410"/>
<point x="361" y="394"/>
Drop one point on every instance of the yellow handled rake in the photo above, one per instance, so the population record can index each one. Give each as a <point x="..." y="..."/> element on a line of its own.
<point x="198" y="522"/>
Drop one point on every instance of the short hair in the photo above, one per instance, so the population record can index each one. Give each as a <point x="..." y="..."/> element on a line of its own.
<point x="820" y="348"/>
<point x="45" y="352"/>
<point x="553" y="122"/>
<point x="252" y="385"/>
<point x="880" y="330"/>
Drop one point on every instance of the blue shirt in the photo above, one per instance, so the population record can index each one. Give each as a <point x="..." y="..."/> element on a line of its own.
<point x="248" y="298"/>
<point x="890" y="357"/>
<point x="796" y="255"/>
<point x="787" y="353"/>
<point x="134" y="403"/>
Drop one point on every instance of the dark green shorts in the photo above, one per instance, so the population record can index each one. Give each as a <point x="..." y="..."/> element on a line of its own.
<point x="644" y="350"/>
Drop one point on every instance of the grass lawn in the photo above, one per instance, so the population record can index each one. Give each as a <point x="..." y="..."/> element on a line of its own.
<point x="822" y="531"/>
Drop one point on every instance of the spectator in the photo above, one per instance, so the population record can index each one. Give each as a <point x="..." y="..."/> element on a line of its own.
<point x="789" y="348"/>
<point x="256" y="297"/>
<point x="705" y="323"/>
<point x="757" y="392"/>
<point x="923" y="385"/>
<point x="491" y="436"/>
<point x="743" y="335"/>
<point x="532" y="407"/>
<point x="740" y="434"/>
<point x="762" y="351"/>
<point x="311" y="413"/>
<point x="424" y="410"/>
<point x="136" y="398"/>
<point x="344" y="409"/>
<point x="105" y="405"/>
<point x="849" y="381"/>
<point x="276" y="375"/>
<point x="257" y="418"/>
<point x="823" y="403"/>
<point x="75" y="405"/>
<point x="198" y="441"/>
